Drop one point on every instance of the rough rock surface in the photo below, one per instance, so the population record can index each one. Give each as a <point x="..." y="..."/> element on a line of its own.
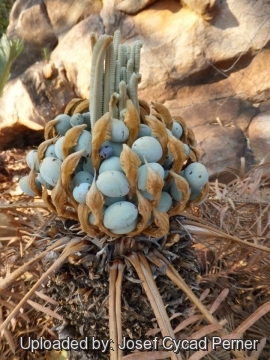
<point x="207" y="60"/>
<point x="259" y="136"/>
<point x="29" y="101"/>
<point x="220" y="147"/>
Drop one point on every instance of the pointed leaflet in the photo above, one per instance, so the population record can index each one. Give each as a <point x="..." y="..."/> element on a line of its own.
<point x="145" y="209"/>
<point x="164" y="112"/>
<point x="161" y="220"/>
<point x="69" y="110"/>
<point x="83" y="106"/>
<point x="194" y="154"/>
<point x="132" y="121"/>
<point x="176" y="149"/>
<point x="47" y="200"/>
<point x="95" y="202"/>
<point x="159" y="117"/>
<point x="183" y="186"/>
<point x="83" y="214"/>
<point x="182" y="122"/>
<point x="100" y="133"/>
<point x="143" y="114"/>
<point x="32" y="182"/>
<point x="144" y="105"/>
<point x="71" y="139"/>
<point x="60" y="201"/>
<point x="160" y="132"/>
<point x="67" y="169"/>
<point x="43" y="147"/>
<point x="154" y="185"/>
<point x="130" y="163"/>
<point x="49" y="131"/>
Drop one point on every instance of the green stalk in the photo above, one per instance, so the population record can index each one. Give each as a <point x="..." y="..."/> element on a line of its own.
<point x="96" y="81"/>
<point x="9" y="51"/>
<point x="109" y="77"/>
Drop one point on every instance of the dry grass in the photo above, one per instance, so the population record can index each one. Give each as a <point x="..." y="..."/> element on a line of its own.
<point x="231" y="235"/>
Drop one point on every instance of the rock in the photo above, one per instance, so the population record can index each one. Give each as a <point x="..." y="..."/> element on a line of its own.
<point x="226" y="111"/>
<point x="29" y="21"/>
<point x="65" y="14"/>
<point x="175" y="65"/>
<point x="75" y="52"/>
<point x="30" y="101"/>
<point x="207" y="71"/>
<point x="220" y="147"/>
<point x="259" y="136"/>
<point x="205" y="8"/>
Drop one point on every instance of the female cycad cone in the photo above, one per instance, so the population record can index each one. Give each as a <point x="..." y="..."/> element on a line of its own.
<point x="117" y="168"/>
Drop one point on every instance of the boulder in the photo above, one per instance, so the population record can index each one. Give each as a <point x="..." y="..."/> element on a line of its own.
<point x="207" y="60"/>
<point x="259" y="136"/>
<point x="220" y="147"/>
<point x="30" y="101"/>
<point x="74" y="51"/>
<point x="225" y="111"/>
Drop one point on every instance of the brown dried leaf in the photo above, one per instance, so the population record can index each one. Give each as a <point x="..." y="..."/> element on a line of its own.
<point x="159" y="117"/>
<point x="132" y="121"/>
<point x="100" y="133"/>
<point x="171" y="240"/>
<point x="183" y="186"/>
<point x="176" y="149"/>
<point x="191" y="320"/>
<point x="145" y="209"/>
<point x="71" y="105"/>
<point x="83" y="214"/>
<point x="194" y="154"/>
<point x="32" y="183"/>
<point x="130" y="163"/>
<point x="161" y="219"/>
<point x="219" y="300"/>
<point x="46" y="298"/>
<point x="182" y="122"/>
<point x="67" y="169"/>
<point x="165" y="113"/>
<point x="49" y="129"/>
<point x="43" y="147"/>
<point x="258" y="313"/>
<point x="154" y="185"/>
<point x="191" y="137"/>
<point x="143" y="114"/>
<point x="9" y="338"/>
<point x="81" y="107"/>
<point x="71" y="139"/>
<point x="144" y="105"/>
<point x="160" y="132"/>
<point x="47" y="200"/>
<point x="45" y="310"/>
<point x="95" y="202"/>
<point x="60" y="200"/>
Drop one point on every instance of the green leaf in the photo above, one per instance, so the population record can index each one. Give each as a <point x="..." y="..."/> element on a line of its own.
<point x="9" y="51"/>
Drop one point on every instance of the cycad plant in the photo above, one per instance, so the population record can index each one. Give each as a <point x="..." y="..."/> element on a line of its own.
<point x="123" y="178"/>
